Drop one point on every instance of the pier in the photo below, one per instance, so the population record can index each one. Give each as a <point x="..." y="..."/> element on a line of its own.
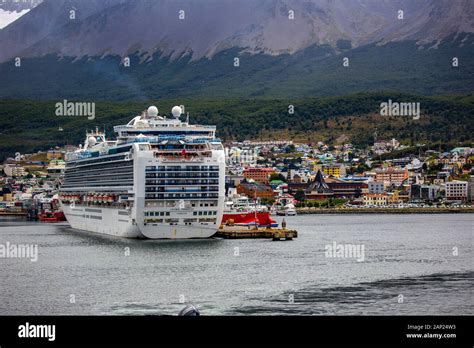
<point x="240" y="232"/>
<point x="12" y="213"/>
<point x="270" y="233"/>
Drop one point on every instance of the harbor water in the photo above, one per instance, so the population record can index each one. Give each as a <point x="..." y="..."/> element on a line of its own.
<point x="407" y="265"/>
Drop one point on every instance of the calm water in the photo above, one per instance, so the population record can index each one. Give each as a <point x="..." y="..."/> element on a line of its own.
<point x="408" y="255"/>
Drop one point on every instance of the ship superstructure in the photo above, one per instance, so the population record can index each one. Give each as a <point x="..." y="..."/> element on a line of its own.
<point x="161" y="178"/>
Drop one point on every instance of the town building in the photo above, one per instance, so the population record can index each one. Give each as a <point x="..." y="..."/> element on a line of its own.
<point x="335" y="170"/>
<point x="56" y="168"/>
<point x="391" y="175"/>
<point x="255" y="190"/>
<point x="233" y="180"/>
<point x="5" y="194"/>
<point x="347" y="189"/>
<point x="393" y="197"/>
<point x="376" y="187"/>
<point x="294" y="187"/>
<point x="384" y="146"/>
<point x="456" y="190"/>
<point x="464" y="151"/>
<point x="470" y="193"/>
<point x="55" y="154"/>
<point x="318" y="189"/>
<point x="239" y="156"/>
<point x="377" y="199"/>
<point x="14" y="170"/>
<point x="261" y="175"/>
<point x="425" y="193"/>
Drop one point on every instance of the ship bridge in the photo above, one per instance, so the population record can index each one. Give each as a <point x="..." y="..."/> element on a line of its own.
<point x="150" y="124"/>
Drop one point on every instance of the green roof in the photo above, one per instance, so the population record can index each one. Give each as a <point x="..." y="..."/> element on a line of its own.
<point x="276" y="182"/>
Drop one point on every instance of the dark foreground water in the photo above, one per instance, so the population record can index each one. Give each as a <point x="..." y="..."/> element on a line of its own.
<point x="412" y="264"/>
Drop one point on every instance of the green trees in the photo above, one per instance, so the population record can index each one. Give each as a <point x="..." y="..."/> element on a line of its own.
<point x="299" y="195"/>
<point x="446" y="120"/>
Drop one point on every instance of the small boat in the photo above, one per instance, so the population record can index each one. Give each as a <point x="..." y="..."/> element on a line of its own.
<point x="45" y="210"/>
<point x="288" y="210"/>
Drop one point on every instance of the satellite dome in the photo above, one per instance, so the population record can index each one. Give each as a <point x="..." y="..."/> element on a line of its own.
<point x="152" y="111"/>
<point x="92" y="141"/>
<point x="176" y="111"/>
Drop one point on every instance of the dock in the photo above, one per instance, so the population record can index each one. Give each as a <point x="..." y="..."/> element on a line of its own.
<point x="275" y="234"/>
<point x="12" y="213"/>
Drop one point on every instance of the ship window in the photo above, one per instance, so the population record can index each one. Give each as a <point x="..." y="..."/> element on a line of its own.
<point x="167" y="213"/>
<point x="194" y="212"/>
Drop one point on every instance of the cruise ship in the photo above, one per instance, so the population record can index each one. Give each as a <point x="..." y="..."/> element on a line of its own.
<point x="162" y="178"/>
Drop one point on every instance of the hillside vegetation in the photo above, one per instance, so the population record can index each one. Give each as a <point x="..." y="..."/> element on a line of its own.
<point x="313" y="72"/>
<point x="27" y="125"/>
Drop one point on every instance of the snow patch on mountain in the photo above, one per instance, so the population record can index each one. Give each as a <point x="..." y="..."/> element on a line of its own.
<point x="7" y="17"/>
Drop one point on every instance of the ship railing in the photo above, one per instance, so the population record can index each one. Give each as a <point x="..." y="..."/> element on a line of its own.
<point x="181" y="159"/>
<point x="186" y="157"/>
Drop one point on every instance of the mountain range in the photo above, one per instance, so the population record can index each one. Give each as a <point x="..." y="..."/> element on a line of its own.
<point x="285" y="48"/>
<point x="11" y="10"/>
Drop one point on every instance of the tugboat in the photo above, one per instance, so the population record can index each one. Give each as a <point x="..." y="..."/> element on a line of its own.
<point x="240" y="211"/>
<point x="45" y="210"/>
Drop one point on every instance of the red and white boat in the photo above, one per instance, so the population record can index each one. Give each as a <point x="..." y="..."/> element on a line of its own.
<point x="46" y="209"/>
<point x="251" y="218"/>
<point x="240" y="211"/>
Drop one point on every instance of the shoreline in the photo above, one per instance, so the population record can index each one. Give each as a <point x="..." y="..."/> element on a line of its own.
<point x="305" y="211"/>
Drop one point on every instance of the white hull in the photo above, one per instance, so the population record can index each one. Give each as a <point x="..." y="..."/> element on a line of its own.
<point x="163" y="231"/>
<point x="117" y="222"/>
<point x="101" y="220"/>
